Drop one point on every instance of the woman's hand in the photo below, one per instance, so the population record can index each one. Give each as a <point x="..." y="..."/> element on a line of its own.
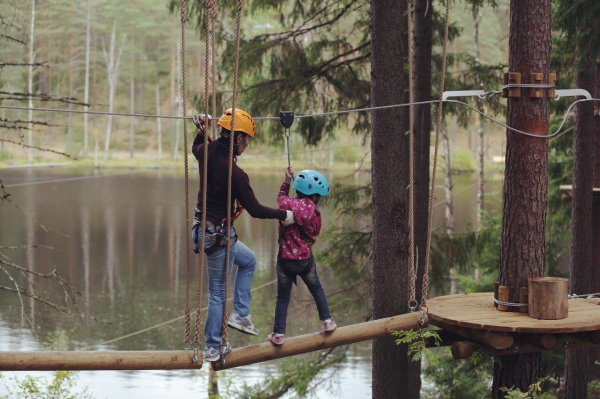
<point x="289" y="172"/>
<point x="202" y="122"/>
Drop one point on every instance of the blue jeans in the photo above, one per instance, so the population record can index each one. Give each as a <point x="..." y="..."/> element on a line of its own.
<point x="244" y="258"/>
<point x="285" y="280"/>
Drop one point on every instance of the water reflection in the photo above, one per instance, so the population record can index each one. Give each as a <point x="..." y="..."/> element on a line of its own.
<point x="123" y="249"/>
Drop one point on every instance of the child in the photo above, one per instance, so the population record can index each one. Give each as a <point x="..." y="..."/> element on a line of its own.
<point x="295" y="256"/>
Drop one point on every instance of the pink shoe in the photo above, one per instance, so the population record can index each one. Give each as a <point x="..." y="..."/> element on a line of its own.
<point x="277" y="341"/>
<point x="329" y="326"/>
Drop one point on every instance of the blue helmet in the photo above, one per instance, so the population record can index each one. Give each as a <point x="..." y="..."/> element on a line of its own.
<point x="310" y="182"/>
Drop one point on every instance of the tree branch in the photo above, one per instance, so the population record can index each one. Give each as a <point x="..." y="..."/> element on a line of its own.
<point x="35" y="64"/>
<point x="12" y="39"/>
<point x="38" y="148"/>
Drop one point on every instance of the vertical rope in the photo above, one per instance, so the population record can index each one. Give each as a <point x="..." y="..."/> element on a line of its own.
<point x="186" y="189"/>
<point x="202" y="260"/>
<point x="437" y="140"/>
<point x="411" y="132"/>
<point x="240" y="4"/>
<point x="213" y="18"/>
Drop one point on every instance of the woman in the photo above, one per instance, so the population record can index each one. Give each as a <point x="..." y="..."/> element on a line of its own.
<point x="216" y="226"/>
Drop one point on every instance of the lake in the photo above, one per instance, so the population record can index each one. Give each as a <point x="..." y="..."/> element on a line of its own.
<point x="118" y="237"/>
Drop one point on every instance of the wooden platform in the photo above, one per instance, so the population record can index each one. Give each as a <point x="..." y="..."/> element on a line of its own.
<point x="477" y="311"/>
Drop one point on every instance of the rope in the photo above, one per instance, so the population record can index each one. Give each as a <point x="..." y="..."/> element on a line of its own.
<point x="240" y="5"/>
<point x="512" y="304"/>
<point x="332" y="113"/>
<point x="34" y="183"/>
<point x="437" y="140"/>
<point x="164" y="323"/>
<point x="411" y="185"/>
<point x="571" y="296"/>
<point x="213" y="52"/>
<point x="186" y="340"/>
<point x="202" y="238"/>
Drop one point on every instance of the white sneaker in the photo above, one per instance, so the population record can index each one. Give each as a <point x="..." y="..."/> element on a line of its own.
<point x="243" y="324"/>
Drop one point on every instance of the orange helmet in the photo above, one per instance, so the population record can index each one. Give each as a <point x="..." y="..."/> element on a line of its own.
<point x="243" y="122"/>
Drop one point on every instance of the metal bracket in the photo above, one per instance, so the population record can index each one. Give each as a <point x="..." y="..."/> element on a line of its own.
<point x="464" y="93"/>
<point x="572" y="93"/>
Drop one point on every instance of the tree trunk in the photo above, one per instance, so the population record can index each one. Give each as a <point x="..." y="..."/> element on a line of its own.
<point x="480" y="128"/>
<point x="523" y="250"/>
<point x="576" y="365"/>
<point x="132" y="98"/>
<point x="158" y="120"/>
<point x="394" y="375"/>
<point x="112" y="70"/>
<point x="448" y="182"/>
<point x="594" y="353"/>
<point x="423" y="39"/>
<point x="86" y="90"/>
<point x="30" y="82"/>
<point x="94" y="75"/>
<point x="172" y="100"/>
<point x="179" y="103"/>
<point x="71" y="73"/>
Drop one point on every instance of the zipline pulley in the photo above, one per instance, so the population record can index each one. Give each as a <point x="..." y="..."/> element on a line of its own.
<point x="287" y="119"/>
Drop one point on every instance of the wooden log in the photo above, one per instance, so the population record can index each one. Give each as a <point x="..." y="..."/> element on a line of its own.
<point x="545" y="341"/>
<point x="319" y="341"/>
<point x="464" y="349"/>
<point x="497" y="340"/>
<point x="109" y="360"/>
<point x="548" y="298"/>
<point x="523" y="298"/>
<point x="496" y="285"/>
<point x="503" y="296"/>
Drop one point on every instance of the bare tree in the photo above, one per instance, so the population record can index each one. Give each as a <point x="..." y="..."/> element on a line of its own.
<point x="158" y="120"/>
<point x="112" y="70"/>
<point x="30" y="81"/>
<point x="179" y="102"/>
<point x="86" y="90"/>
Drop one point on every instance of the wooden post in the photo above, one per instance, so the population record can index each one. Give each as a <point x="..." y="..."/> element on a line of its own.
<point x="548" y="298"/>
<point x="109" y="360"/>
<point x="319" y="341"/>
<point x="523" y="298"/>
<point x="503" y="296"/>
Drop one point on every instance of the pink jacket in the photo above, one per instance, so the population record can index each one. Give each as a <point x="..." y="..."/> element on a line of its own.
<point x="295" y="245"/>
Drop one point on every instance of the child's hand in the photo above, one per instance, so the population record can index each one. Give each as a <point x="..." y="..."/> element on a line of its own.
<point x="289" y="172"/>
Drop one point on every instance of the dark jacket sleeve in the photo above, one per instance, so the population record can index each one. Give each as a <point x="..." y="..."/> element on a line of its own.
<point x="198" y="146"/>
<point x="244" y="193"/>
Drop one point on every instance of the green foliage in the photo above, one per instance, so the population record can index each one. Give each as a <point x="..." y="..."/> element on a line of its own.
<point x="451" y="378"/>
<point x="462" y="160"/>
<point x="594" y="389"/>
<point x="295" y="374"/>
<point x="535" y="390"/>
<point x="415" y="341"/>
<point x="578" y="21"/>
<point x="61" y="386"/>
<point x="6" y="155"/>
<point x="348" y="240"/>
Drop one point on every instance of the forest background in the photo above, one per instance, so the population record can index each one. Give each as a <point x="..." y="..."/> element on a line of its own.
<point x="134" y="49"/>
